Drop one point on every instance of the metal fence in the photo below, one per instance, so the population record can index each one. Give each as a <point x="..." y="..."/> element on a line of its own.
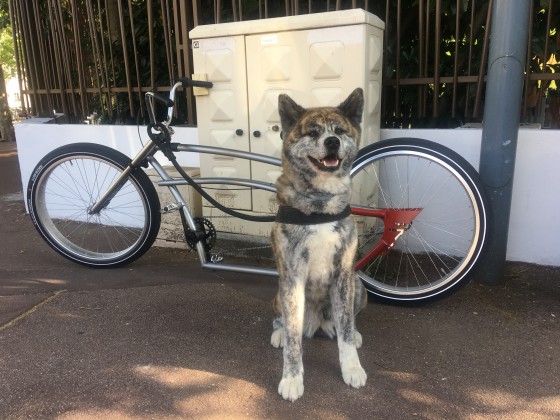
<point x="93" y="59"/>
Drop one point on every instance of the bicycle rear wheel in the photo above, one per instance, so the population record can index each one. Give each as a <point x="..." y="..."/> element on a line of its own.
<point x="438" y="252"/>
<point x="68" y="181"/>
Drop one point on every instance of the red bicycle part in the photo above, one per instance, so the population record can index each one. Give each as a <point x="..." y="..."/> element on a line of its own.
<point x="395" y="221"/>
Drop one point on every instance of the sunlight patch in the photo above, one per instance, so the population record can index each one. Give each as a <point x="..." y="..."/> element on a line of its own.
<point x="238" y="397"/>
<point x="512" y="405"/>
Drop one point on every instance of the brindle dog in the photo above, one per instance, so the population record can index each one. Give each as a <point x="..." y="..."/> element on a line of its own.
<point x="314" y="238"/>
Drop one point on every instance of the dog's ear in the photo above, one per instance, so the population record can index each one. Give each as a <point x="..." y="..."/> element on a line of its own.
<point x="353" y="107"/>
<point x="289" y="112"/>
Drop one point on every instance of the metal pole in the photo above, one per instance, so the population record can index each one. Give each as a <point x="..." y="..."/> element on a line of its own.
<point x="504" y="87"/>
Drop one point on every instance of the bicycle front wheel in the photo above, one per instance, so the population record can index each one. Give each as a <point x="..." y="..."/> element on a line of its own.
<point x="436" y="254"/>
<point x="64" y="186"/>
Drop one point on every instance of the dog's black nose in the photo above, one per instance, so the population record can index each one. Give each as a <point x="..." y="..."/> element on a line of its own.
<point x="332" y="143"/>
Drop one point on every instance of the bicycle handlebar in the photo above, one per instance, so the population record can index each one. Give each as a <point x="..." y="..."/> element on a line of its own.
<point x="195" y="83"/>
<point x="166" y="101"/>
<point x="170" y="102"/>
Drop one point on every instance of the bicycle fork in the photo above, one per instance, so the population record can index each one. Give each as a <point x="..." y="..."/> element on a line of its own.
<point x="115" y="187"/>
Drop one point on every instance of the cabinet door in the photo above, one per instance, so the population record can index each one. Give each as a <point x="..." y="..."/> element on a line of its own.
<point x="316" y="67"/>
<point x="273" y="67"/>
<point x="222" y="114"/>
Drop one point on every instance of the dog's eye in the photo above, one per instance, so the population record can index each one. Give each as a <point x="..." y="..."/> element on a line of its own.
<point x="313" y="133"/>
<point x="339" y="131"/>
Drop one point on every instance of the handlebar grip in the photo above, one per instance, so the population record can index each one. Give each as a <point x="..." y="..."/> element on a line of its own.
<point x="195" y="83"/>
<point x="168" y="102"/>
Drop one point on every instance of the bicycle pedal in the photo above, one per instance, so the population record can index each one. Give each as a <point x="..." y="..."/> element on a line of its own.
<point x="170" y="208"/>
<point x="217" y="257"/>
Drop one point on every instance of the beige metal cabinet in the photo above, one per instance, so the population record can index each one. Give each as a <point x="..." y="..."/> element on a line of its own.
<point x="317" y="59"/>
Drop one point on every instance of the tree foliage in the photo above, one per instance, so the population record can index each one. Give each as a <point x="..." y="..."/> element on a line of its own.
<point x="7" y="65"/>
<point x="7" y="59"/>
<point x="416" y="105"/>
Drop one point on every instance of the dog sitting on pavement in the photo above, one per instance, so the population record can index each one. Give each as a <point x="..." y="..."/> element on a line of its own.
<point x="314" y="237"/>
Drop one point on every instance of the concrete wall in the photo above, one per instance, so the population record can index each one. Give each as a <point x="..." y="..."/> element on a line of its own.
<point x="534" y="226"/>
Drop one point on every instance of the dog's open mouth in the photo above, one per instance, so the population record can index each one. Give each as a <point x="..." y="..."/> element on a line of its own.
<point x="329" y="163"/>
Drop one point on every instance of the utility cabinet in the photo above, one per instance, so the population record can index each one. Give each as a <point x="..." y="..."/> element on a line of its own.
<point x="317" y="59"/>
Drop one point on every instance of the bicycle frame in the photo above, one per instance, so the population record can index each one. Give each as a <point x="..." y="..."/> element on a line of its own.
<point x="172" y="184"/>
<point x="396" y="221"/>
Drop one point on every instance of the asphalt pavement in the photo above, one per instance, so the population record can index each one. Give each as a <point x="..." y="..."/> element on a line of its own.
<point x="164" y="339"/>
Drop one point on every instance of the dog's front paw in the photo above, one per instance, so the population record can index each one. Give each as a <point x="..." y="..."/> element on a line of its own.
<point x="291" y="387"/>
<point x="354" y="376"/>
<point x="277" y="338"/>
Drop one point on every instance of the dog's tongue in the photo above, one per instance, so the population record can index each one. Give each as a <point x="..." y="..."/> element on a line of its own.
<point x="330" y="161"/>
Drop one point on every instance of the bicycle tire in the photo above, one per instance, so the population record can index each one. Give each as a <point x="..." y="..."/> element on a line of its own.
<point x="68" y="181"/>
<point x="440" y="250"/>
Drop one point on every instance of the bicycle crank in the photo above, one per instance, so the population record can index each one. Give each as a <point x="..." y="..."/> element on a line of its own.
<point x="205" y="231"/>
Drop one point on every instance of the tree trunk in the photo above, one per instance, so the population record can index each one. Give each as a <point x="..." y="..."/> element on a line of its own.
<point x="6" y="127"/>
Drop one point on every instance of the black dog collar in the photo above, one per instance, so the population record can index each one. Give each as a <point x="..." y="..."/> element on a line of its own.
<point x="292" y="216"/>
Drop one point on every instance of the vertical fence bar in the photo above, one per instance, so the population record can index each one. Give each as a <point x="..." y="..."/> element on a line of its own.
<point x="528" y="66"/>
<point x="79" y="60"/>
<point x="385" y="43"/>
<point x="437" y="48"/>
<point x="110" y="31"/>
<point x="105" y="71"/>
<point x="234" y="10"/>
<point x="135" y="54"/>
<point x="150" y="13"/>
<point x="195" y="11"/>
<point x="421" y="88"/>
<point x="125" y="59"/>
<point x="32" y="61"/>
<point x="166" y="22"/>
<point x="183" y="52"/>
<point x="57" y="56"/>
<point x="177" y="25"/>
<point x="456" y="60"/>
<point x="95" y="50"/>
<point x="469" y="59"/>
<point x="66" y="55"/>
<point x="17" y="52"/>
<point x="39" y="26"/>
<point x="426" y="61"/>
<point x="398" y="62"/>
<point x="544" y="60"/>
<point x="482" y="70"/>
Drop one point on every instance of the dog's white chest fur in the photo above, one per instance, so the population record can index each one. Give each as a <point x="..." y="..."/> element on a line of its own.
<point x="323" y="242"/>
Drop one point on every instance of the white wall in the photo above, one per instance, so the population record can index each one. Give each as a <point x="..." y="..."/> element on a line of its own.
<point x="534" y="234"/>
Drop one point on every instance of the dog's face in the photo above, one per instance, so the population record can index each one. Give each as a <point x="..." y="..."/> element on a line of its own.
<point x="321" y="141"/>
